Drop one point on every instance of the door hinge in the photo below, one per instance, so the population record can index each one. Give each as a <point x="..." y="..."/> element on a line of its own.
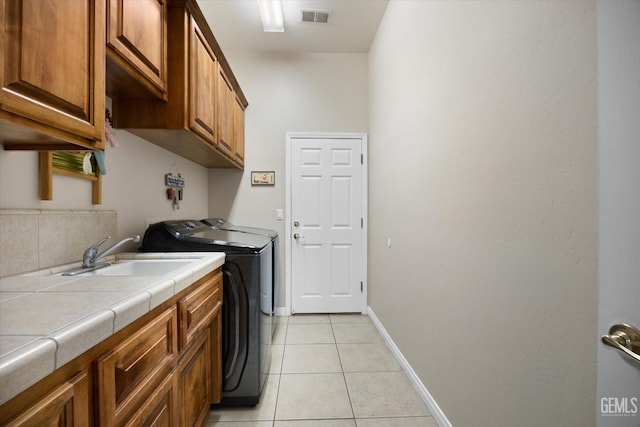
<point x="361" y="222"/>
<point x="361" y="286"/>
<point x="362" y="159"/>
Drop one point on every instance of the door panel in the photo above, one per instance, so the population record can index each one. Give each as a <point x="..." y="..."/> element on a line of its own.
<point x="341" y="272"/>
<point x="137" y="46"/>
<point x="62" y="39"/>
<point x="225" y="107"/>
<point x="202" y="69"/>
<point x="327" y="233"/>
<point x="619" y="206"/>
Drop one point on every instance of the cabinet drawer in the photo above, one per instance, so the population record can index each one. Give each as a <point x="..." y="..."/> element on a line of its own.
<point x="198" y="308"/>
<point x="161" y="409"/>
<point x="128" y="374"/>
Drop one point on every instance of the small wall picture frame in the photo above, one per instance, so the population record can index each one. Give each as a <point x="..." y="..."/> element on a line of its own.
<point x="263" y="178"/>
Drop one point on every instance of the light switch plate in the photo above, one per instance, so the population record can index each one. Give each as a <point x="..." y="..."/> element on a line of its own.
<point x="279" y="214"/>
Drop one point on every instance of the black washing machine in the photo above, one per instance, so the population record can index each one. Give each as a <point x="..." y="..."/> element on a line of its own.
<point x="247" y="306"/>
<point x="222" y="224"/>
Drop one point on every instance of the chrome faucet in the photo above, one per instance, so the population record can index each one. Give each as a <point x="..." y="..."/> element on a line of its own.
<point x="91" y="256"/>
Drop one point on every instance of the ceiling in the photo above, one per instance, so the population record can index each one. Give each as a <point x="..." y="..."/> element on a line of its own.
<point x="351" y="27"/>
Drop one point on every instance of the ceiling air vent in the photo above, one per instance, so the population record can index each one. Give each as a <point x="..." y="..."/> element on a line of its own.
<point x="314" y="16"/>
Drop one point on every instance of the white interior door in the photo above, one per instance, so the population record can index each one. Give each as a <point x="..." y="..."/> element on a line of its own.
<point x="327" y="225"/>
<point x="619" y="206"/>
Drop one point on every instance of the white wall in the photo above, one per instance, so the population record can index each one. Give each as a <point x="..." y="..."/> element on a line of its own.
<point x="619" y="198"/>
<point x="133" y="186"/>
<point x="483" y="173"/>
<point x="286" y="93"/>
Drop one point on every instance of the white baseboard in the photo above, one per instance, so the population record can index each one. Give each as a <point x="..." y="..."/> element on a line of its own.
<point x="433" y="407"/>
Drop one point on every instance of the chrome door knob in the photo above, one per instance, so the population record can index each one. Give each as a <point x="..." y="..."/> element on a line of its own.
<point x="297" y="236"/>
<point x="296" y="224"/>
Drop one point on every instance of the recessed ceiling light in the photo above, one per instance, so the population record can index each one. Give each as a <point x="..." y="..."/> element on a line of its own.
<point x="271" y="15"/>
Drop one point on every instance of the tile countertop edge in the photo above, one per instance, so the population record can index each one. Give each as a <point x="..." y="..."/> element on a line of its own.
<point x="22" y="367"/>
<point x="26" y="366"/>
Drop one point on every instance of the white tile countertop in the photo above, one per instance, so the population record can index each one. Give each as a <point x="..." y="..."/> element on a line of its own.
<point x="47" y="320"/>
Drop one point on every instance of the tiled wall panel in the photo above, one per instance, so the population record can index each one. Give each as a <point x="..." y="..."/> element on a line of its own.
<point x="33" y="239"/>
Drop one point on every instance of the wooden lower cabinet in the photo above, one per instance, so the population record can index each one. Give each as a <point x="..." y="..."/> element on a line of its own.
<point x="162" y="370"/>
<point x="200" y="368"/>
<point x="65" y="406"/>
<point x="132" y="370"/>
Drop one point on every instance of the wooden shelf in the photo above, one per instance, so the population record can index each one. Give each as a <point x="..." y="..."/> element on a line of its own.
<point x="46" y="179"/>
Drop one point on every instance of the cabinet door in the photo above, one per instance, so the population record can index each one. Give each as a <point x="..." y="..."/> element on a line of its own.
<point x="202" y="86"/>
<point x="129" y="373"/>
<point x="195" y="382"/>
<point x="226" y="100"/>
<point x="238" y="131"/>
<point x="65" y="406"/>
<point x="137" y="48"/>
<point x="52" y="78"/>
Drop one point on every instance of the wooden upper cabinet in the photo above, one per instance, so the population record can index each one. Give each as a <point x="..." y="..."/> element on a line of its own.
<point x="137" y="48"/>
<point x="197" y="121"/>
<point x="202" y="90"/>
<point x="225" y="114"/>
<point x="52" y="74"/>
<point x="238" y="130"/>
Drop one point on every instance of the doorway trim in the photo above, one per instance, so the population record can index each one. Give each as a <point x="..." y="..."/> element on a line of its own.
<point x="364" y="201"/>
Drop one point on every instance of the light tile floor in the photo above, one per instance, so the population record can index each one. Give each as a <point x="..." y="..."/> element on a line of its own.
<point x="331" y="371"/>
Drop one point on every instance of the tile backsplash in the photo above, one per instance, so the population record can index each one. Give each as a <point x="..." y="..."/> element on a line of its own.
<point x="31" y="239"/>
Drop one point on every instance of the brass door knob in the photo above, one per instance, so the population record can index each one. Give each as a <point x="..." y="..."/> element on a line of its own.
<point x="624" y="338"/>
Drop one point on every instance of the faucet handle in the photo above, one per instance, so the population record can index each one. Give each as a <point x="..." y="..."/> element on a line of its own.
<point x="99" y="243"/>
<point x="89" y="256"/>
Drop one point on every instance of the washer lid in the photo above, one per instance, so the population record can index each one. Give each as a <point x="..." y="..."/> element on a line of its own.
<point x="222" y="224"/>
<point x="198" y="232"/>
